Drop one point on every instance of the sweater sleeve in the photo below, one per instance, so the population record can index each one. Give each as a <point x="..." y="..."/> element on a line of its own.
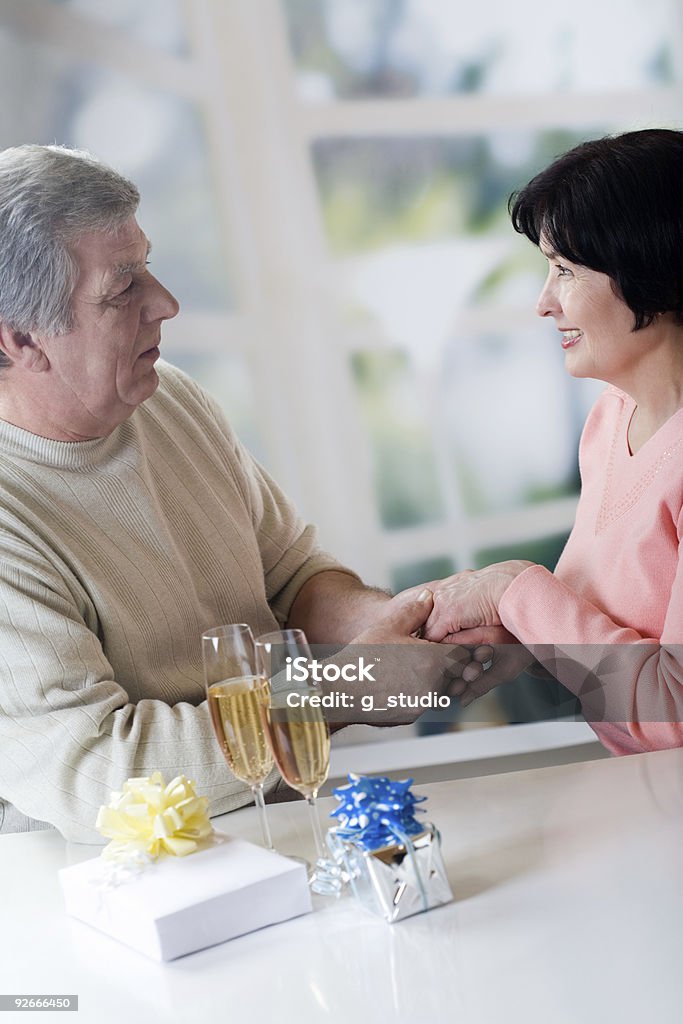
<point x="289" y="550"/>
<point x="68" y="733"/>
<point x="630" y="686"/>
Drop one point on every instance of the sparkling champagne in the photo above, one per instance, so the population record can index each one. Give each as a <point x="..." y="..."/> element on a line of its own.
<point x="236" y="712"/>
<point x="300" y="740"/>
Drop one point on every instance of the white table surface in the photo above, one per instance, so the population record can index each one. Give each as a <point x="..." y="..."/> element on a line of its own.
<point x="568" y="908"/>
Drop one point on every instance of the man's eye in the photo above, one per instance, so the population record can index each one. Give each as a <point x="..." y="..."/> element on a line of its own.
<point x="562" y="271"/>
<point x="121" y="297"/>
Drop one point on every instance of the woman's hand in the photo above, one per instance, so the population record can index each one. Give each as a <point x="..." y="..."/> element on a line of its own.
<point x="470" y="599"/>
<point x="506" y="659"/>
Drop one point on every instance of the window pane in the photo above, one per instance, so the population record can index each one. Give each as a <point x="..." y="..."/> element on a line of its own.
<point x="405" y="474"/>
<point x="544" y="552"/>
<point x="511" y="419"/>
<point x="411" y="573"/>
<point x="499" y="400"/>
<point x="153" y="137"/>
<point x="384" y="191"/>
<point x="157" y="23"/>
<point x="226" y="377"/>
<point x="392" y="48"/>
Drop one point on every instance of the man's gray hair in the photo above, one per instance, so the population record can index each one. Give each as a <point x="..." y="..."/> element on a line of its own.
<point x="50" y="196"/>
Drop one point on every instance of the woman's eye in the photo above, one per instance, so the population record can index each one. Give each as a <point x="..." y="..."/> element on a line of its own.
<point x="562" y="271"/>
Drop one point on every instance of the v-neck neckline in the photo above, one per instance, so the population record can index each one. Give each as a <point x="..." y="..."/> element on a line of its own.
<point x="628" y="401"/>
<point x="628" y="475"/>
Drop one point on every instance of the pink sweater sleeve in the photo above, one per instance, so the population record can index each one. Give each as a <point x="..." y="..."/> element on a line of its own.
<point x="630" y="686"/>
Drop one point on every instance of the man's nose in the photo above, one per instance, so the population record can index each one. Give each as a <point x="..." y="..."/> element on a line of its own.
<point x="160" y="304"/>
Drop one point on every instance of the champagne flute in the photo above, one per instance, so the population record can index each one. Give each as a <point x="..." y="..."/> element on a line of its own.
<point x="298" y="734"/>
<point x="236" y="692"/>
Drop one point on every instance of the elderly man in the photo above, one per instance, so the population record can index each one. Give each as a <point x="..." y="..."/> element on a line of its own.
<point x="131" y="518"/>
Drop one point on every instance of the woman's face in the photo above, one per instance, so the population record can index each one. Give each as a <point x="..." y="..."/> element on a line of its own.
<point x="596" y="326"/>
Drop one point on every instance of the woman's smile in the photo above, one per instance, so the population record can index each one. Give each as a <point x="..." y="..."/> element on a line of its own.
<point x="570" y="337"/>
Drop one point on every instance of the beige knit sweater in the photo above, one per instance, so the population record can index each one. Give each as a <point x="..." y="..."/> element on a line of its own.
<point x="115" y="555"/>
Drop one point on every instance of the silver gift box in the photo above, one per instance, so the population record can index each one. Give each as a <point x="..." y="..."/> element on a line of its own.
<point x="392" y="881"/>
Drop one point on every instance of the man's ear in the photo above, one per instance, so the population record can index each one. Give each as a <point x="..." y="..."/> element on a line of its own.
<point x="22" y="349"/>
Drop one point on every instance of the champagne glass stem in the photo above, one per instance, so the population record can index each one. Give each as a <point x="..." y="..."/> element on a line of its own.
<point x="317" y="832"/>
<point x="262" y="816"/>
<point x="326" y="878"/>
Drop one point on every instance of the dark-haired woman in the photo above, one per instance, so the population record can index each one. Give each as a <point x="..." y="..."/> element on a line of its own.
<point x="608" y="623"/>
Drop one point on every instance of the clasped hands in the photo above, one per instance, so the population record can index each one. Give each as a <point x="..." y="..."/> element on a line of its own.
<point x="465" y="611"/>
<point x="440" y="637"/>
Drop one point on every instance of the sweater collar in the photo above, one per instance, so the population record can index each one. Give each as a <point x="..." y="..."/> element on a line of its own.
<point x="15" y="442"/>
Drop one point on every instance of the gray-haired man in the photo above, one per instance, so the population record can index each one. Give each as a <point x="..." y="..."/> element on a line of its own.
<point x="131" y="518"/>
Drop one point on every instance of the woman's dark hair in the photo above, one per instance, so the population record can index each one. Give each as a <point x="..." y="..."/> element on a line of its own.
<point x="616" y="205"/>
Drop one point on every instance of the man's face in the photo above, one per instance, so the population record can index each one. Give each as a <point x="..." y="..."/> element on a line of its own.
<point x="104" y="367"/>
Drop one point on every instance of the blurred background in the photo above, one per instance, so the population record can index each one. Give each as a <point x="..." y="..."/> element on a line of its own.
<point x="325" y="183"/>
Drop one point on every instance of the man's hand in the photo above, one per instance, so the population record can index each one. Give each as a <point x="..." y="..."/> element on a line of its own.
<point x="400" y="619"/>
<point x="470" y="599"/>
<point x="404" y="667"/>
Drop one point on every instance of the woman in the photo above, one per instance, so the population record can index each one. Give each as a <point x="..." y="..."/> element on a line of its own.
<point x="608" y="217"/>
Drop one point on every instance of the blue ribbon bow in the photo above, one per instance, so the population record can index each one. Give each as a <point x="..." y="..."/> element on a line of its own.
<point x="375" y="812"/>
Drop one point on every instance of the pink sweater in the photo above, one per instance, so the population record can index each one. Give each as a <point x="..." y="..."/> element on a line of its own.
<point x="619" y="581"/>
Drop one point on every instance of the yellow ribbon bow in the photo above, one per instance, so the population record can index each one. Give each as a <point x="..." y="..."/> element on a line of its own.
<point x="151" y="818"/>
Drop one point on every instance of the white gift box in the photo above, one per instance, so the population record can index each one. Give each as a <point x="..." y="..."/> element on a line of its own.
<point x="177" y="905"/>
